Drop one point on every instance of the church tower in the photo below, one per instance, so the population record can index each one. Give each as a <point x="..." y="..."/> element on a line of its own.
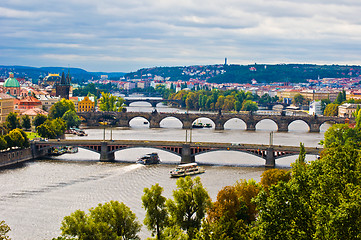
<point x="63" y="87"/>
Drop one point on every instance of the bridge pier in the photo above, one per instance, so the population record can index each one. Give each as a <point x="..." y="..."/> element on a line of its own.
<point x="251" y="126"/>
<point x="187" y="154"/>
<point x="154" y="124"/>
<point x="270" y="159"/>
<point x="105" y="154"/>
<point x="282" y="127"/>
<point x="315" y="127"/>
<point x="219" y="126"/>
<point x="187" y="124"/>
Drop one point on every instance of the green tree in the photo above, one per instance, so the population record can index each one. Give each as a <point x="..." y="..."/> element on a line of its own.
<point x="4" y="229"/>
<point x="112" y="220"/>
<point x="324" y="103"/>
<point x="237" y="105"/>
<point x="12" y="121"/>
<point x="156" y="217"/>
<point x="17" y="138"/>
<point x="271" y="177"/>
<point x="341" y="134"/>
<point x="25" y="122"/>
<point x="331" y="110"/>
<point x="249" y="105"/>
<point x="341" y="97"/>
<point x="52" y="128"/>
<point x="39" y="119"/>
<point x="71" y="119"/>
<point x="189" y="205"/>
<point x="299" y="99"/>
<point x="108" y="102"/>
<point x="61" y="107"/>
<point x="3" y="143"/>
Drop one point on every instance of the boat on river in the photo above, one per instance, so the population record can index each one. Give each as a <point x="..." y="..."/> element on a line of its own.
<point x="186" y="170"/>
<point x="151" y="158"/>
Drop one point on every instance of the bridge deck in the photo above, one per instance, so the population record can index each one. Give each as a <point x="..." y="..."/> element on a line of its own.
<point x="210" y="145"/>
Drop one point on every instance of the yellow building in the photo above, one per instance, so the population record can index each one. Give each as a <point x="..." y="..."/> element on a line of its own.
<point x="86" y="104"/>
<point x="6" y="106"/>
<point x="315" y="95"/>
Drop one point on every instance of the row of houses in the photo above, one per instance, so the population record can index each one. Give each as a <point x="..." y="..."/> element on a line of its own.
<point x="31" y="101"/>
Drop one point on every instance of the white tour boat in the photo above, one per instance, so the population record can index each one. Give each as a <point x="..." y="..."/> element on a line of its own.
<point x="186" y="169"/>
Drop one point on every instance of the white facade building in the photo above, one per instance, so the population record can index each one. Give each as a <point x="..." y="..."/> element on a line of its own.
<point x="315" y="108"/>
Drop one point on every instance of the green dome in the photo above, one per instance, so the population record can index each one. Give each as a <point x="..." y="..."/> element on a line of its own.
<point x="11" y="82"/>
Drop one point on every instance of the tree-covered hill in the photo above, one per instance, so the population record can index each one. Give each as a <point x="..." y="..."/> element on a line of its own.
<point x="245" y="73"/>
<point x="79" y="75"/>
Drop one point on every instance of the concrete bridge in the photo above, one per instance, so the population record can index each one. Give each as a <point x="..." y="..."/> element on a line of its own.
<point x="122" y="119"/>
<point x="187" y="151"/>
<point x="152" y="101"/>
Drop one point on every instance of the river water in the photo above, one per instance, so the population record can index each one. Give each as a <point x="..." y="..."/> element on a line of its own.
<point x="35" y="197"/>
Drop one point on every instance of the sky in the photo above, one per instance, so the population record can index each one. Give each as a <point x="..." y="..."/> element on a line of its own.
<point x="124" y="36"/>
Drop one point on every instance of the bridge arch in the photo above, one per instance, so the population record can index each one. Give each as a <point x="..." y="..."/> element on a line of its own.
<point x="235" y="123"/>
<point x="171" y="122"/>
<point x="300" y="124"/>
<point x="139" y="122"/>
<point x="205" y="121"/>
<point x="268" y="124"/>
<point x="136" y="103"/>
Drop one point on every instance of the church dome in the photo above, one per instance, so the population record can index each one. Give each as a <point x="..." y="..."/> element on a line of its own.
<point x="11" y="82"/>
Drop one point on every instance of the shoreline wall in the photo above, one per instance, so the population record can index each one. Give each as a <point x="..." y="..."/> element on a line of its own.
<point x="12" y="157"/>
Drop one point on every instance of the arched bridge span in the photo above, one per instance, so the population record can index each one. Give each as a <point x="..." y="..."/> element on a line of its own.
<point x="187" y="151"/>
<point x="122" y="119"/>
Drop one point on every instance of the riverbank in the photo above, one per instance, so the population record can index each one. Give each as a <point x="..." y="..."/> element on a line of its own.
<point x="15" y="156"/>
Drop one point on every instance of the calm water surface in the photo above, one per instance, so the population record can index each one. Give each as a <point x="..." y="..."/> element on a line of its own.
<point x="35" y="197"/>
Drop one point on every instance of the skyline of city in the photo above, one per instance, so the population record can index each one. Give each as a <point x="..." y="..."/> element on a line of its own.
<point x="117" y="36"/>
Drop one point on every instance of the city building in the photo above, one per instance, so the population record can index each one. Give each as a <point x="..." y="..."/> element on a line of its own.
<point x="315" y="108"/>
<point x="27" y="102"/>
<point x="347" y="109"/>
<point x="33" y="112"/>
<point x="11" y="85"/>
<point x="62" y="89"/>
<point x="47" y="101"/>
<point x="6" y="106"/>
<point x="87" y="104"/>
<point x="75" y="100"/>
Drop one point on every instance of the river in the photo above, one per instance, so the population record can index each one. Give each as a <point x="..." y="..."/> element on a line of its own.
<point x="37" y="195"/>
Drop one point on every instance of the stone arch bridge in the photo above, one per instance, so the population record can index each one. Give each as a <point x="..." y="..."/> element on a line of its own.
<point x="187" y="151"/>
<point x="122" y="119"/>
<point x="152" y="101"/>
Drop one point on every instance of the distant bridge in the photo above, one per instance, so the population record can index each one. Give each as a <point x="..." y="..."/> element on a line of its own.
<point x="152" y="101"/>
<point x="187" y="151"/>
<point x="122" y="119"/>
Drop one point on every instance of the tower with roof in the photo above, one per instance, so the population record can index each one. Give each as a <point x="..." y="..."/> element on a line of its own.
<point x="11" y="85"/>
<point x="63" y="87"/>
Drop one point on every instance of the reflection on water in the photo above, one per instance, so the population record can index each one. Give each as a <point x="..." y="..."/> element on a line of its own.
<point x="35" y="198"/>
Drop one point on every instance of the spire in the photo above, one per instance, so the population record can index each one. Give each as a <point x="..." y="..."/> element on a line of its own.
<point x="68" y="78"/>
<point x="62" y="80"/>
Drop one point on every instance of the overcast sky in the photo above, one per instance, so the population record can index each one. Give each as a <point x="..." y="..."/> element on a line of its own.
<point x="119" y="35"/>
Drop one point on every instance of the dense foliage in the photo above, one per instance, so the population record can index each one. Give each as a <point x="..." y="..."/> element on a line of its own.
<point x="111" y="220"/>
<point x="215" y="100"/>
<point x="245" y="73"/>
<point x="4" y="229"/>
<point x="109" y="102"/>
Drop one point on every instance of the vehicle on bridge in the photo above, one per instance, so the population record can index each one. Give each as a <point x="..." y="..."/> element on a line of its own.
<point x="186" y="169"/>
<point x="151" y="158"/>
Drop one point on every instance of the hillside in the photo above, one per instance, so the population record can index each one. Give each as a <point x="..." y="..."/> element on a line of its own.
<point x="79" y="75"/>
<point x="245" y="73"/>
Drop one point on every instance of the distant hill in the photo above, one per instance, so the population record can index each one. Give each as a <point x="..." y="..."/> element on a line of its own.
<point x="263" y="73"/>
<point x="79" y="75"/>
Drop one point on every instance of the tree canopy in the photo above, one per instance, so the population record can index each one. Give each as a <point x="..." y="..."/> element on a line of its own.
<point x="111" y="220"/>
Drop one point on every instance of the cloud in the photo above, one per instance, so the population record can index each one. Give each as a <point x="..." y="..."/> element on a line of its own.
<point x="111" y="35"/>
